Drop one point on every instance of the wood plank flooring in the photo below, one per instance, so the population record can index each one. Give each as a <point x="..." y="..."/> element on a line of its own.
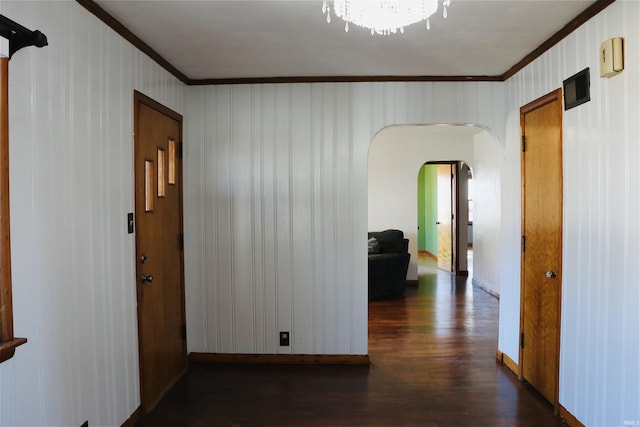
<point x="432" y="364"/>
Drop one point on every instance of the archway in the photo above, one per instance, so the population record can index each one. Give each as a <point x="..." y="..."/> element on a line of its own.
<point x="395" y="157"/>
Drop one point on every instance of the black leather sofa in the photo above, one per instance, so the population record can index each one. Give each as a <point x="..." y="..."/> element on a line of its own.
<point x="388" y="263"/>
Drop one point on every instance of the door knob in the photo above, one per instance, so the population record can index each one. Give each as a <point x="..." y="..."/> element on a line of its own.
<point x="550" y="274"/>
<point x="146" y="279"/>
<point x="143" y="259"/>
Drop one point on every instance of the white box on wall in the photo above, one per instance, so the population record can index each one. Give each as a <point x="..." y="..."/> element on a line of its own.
<point x="612" y="57"/>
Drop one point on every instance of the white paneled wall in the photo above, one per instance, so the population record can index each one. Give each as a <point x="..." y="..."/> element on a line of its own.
<point x="487" y="211"/>
<point x="71" y="132"/>
<point x="276" y="213"/>
<point x="277" y="181"/>
<point x="600" y="344"/>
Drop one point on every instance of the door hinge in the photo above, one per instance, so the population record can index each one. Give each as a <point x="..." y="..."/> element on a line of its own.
<point x="524" y="144"/>
<point x="521" y="339"/>
<point x="181" y="241"/>
<point x="180" y="150"/>
<point x="524" y="243"/>
<point x="183" y="332"/>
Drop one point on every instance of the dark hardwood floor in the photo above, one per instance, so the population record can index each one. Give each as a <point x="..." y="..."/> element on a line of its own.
<point x="432" y="364"/>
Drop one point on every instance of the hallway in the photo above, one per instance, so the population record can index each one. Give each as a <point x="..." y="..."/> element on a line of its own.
<point x="432" y="364"/>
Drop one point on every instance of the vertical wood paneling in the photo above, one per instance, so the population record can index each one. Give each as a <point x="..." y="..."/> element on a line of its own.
<point x="71" y="187"/>
<point x="268" y="183"/>
<point x="601" y="136"/>
<point x="295" y="198"/>
<point x="197" y="317"/>
<point x="330" y="218"/>
<point x="360" y="95"/>
<point x="211" y="295"/>
<point x="303" y="302"/>
<point x="600" y="363"/>
<point x="240" y="192"/>
<point x="257" y="218"/>
<point x="283" y="208"/>
<point x="224" y="218"/>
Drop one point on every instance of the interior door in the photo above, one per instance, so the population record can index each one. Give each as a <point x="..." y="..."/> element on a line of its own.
<point x="159" y="252"/>
<point x="541" y="124"/>
<point x="445" y="214"/>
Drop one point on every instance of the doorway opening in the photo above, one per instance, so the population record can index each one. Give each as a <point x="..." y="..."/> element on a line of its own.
<point x="445" y="221"/>
<point x="396" y="155"/>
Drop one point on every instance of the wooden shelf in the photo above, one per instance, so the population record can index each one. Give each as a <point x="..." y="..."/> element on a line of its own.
<point x="8" y="348"/>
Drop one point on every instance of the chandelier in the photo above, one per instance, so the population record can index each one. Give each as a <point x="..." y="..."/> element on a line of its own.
<point x="383" y="16"/>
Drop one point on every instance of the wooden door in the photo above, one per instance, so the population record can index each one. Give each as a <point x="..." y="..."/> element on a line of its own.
<point x="159" y="265"/>
<point x="445" y="213"/>
<point x="541" y="276"/>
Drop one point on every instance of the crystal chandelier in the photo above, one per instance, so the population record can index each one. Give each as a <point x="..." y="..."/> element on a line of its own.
<point x="383" y="16"/>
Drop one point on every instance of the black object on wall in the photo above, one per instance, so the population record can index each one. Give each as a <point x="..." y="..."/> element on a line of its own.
<point x="577" y="89"/>
<point x="20" y="36"/>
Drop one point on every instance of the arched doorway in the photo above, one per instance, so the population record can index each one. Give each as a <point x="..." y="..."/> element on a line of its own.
<point x="395" y="157"/>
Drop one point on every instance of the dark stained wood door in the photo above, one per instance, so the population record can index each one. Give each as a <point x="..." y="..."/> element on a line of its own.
<point x="159" y="248"/>
<point x="541" y="124"/>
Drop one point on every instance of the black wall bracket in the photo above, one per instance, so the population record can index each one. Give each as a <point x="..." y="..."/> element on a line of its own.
<point x="20" y="36"/>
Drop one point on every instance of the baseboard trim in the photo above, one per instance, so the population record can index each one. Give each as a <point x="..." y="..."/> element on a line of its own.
<point x="485" y="288"/>
<point x="412" y="282"/>
<point x="134" y="418"/>
<point x="507" y="361"/>
<point x="510" y="363"/>
<point x="280" y="359"/>
<point x="569" y="418"/>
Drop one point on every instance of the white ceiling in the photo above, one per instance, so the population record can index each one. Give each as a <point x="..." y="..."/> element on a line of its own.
<point x="214" y="39"/>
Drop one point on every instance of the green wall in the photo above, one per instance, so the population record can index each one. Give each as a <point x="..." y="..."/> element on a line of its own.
<point x="428" y="208"/>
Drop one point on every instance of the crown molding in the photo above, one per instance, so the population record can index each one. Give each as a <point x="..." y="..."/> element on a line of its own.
<point x="128" y="35"/>
<point x="573" y="25"/>
<point x="344" y="79"/>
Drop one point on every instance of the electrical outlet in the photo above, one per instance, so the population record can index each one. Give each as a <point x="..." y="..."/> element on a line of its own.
<point x="284" y="339"/>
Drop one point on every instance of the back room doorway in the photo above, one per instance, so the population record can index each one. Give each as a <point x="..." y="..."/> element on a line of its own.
<point x="445" y="227"/>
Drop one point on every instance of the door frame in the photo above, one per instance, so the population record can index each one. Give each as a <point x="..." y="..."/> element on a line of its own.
<point x="458" y="251"/>
<point x="555" y="96"/>
<point x="141" y="99"/>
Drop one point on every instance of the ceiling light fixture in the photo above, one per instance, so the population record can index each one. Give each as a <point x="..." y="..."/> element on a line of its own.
<point x="383" y="16"/>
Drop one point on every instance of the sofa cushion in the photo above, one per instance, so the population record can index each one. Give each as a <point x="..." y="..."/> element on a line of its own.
<point x="390" y="241"/>
<point x="374" y="246"/>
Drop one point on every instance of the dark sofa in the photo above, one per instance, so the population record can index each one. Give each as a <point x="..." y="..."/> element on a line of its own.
<point x="388" y="263"/>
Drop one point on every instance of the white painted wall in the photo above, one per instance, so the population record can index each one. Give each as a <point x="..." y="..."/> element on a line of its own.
<point x="281" y="194"/>
<point x="487" y="211"/>
<point x="71" y="155"/>
<point x="600" y="337"/>
<point x="395" y="157"/>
